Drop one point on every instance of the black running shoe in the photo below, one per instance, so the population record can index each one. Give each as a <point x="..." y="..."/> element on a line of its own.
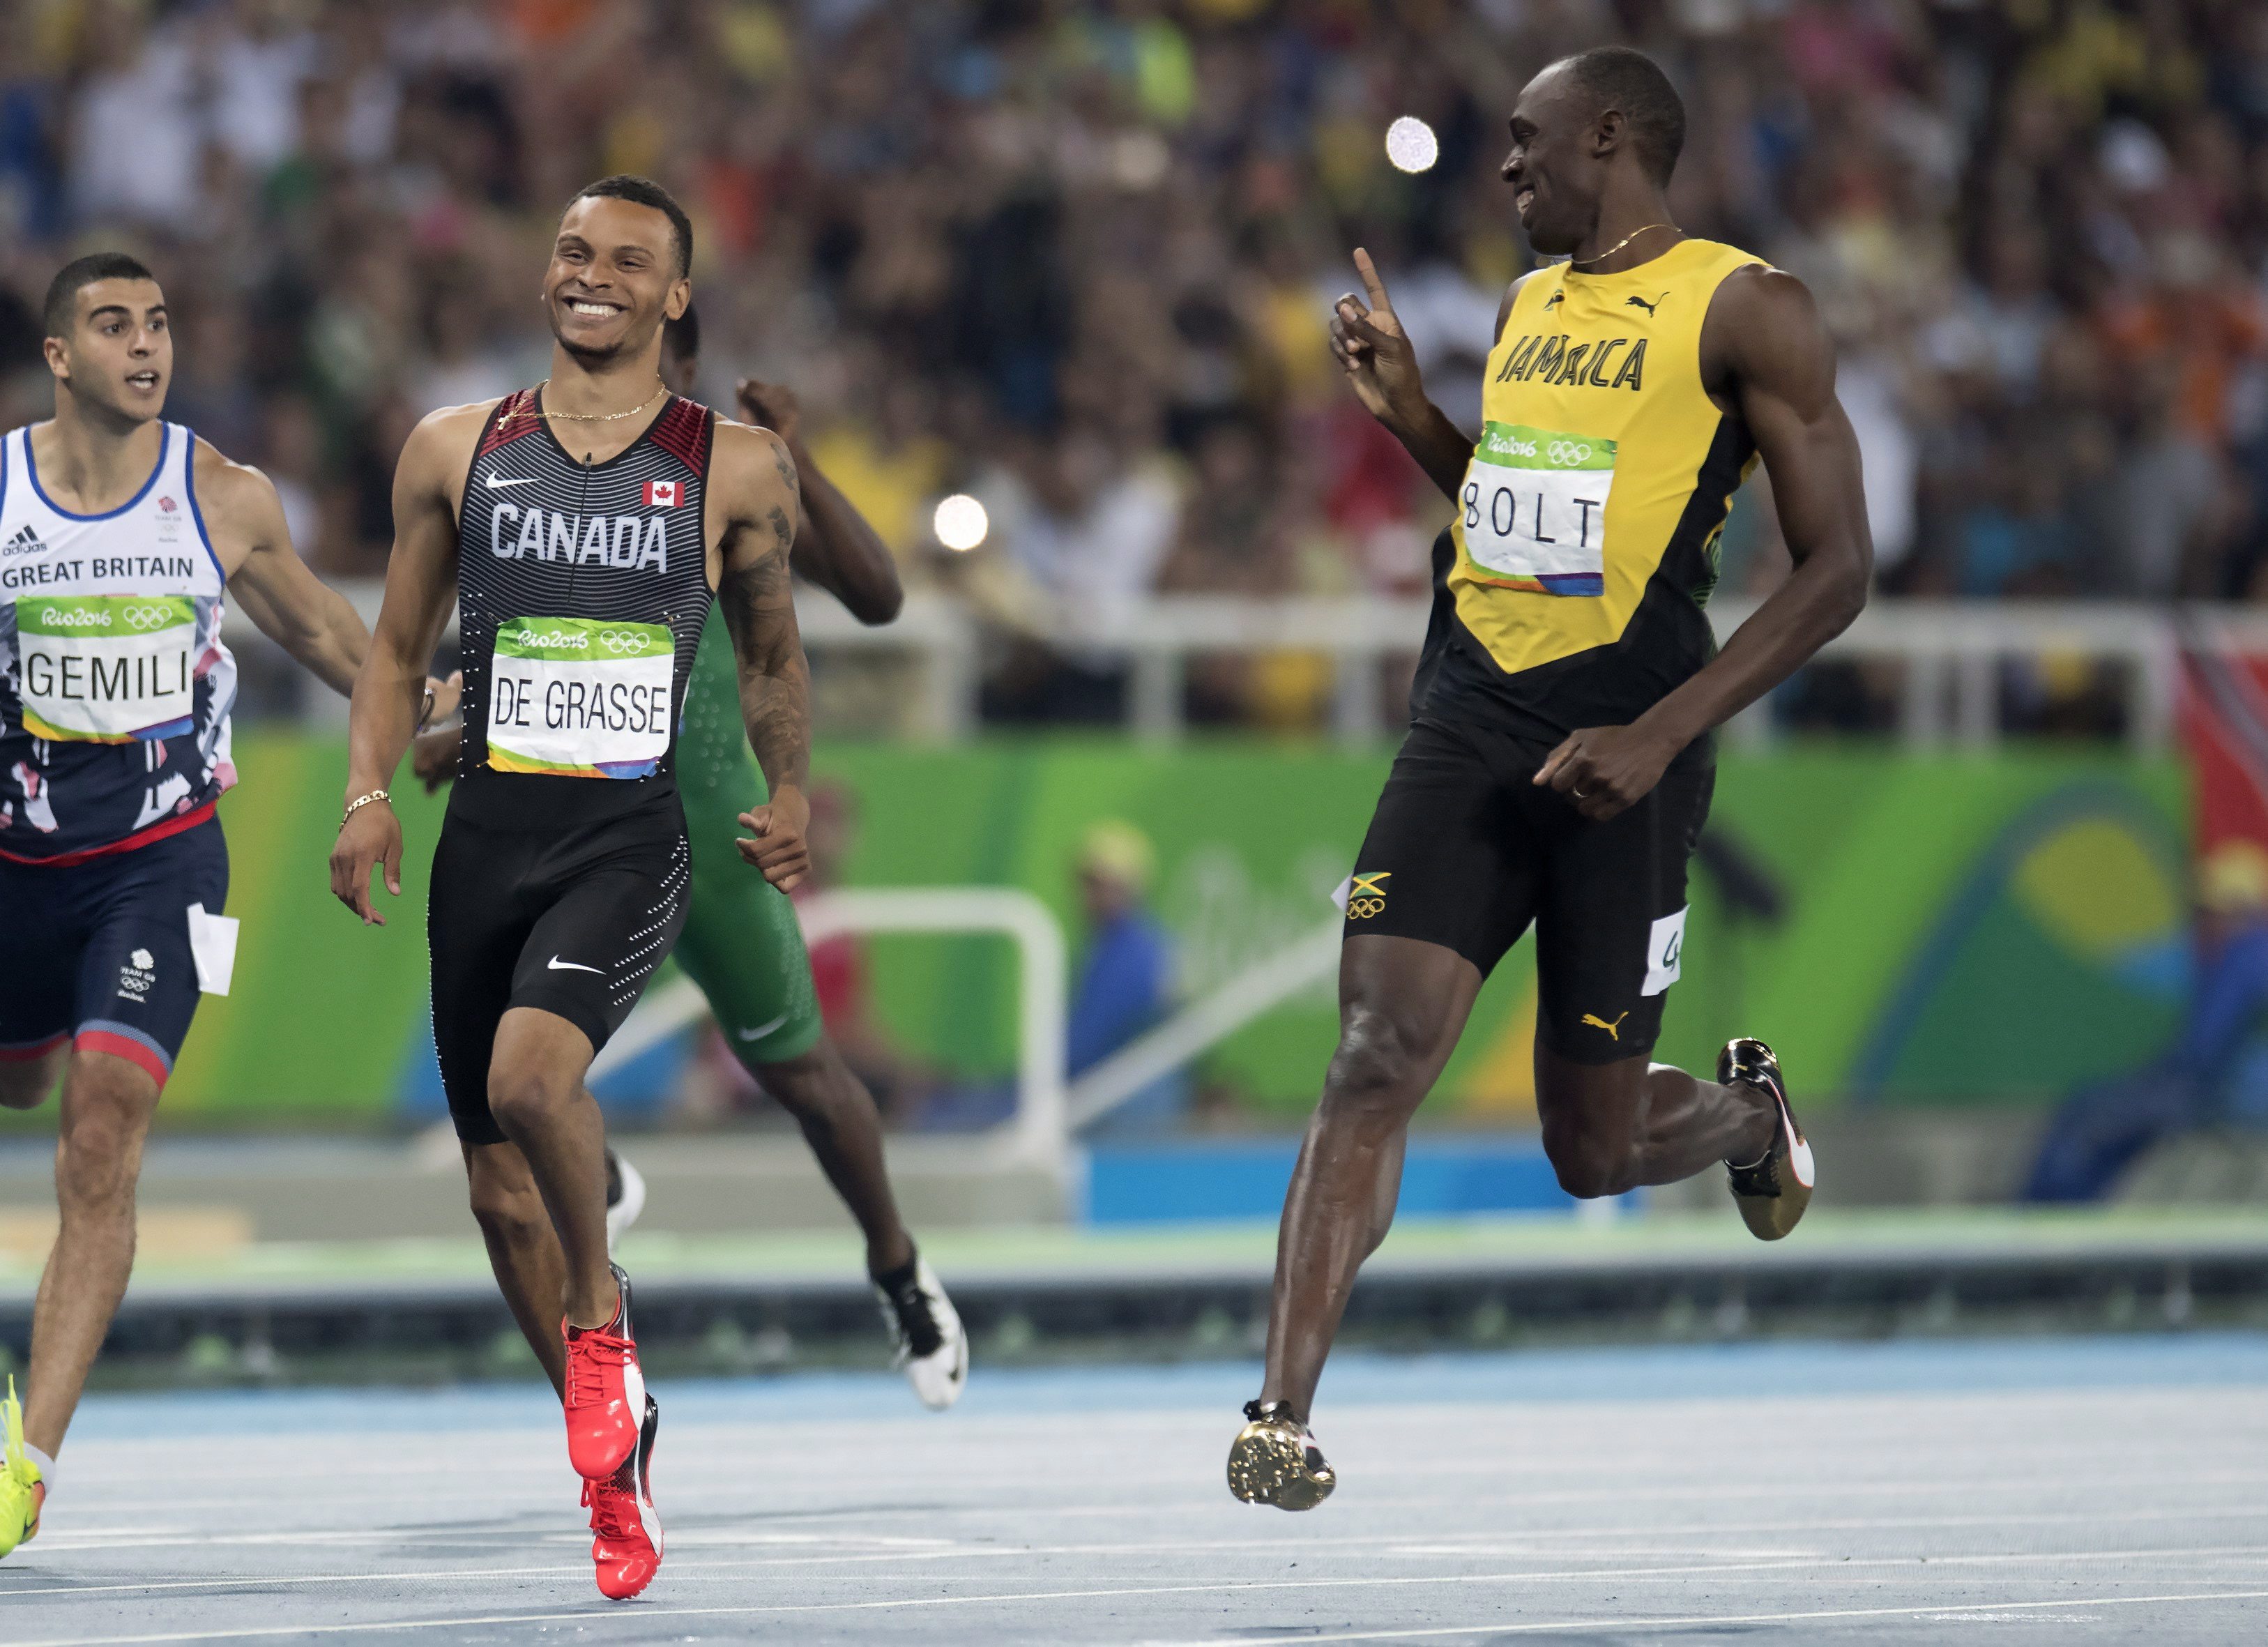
<point x="1275" y="1460"/>
<point x="932" y="1349"/>
<point x="1772" y="1193"/>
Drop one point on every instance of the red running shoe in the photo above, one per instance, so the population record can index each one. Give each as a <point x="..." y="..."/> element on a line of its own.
<point x="625" y="1527"/>
<point x="606" y="1391"/>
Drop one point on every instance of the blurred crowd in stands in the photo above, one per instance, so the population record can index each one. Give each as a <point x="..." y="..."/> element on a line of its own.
<point x="1075" y="258"/>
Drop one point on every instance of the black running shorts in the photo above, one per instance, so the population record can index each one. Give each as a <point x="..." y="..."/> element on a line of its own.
<point x="571" y="919"/>
<point x="99" y="951"/>
<point x="1465" y="851"/>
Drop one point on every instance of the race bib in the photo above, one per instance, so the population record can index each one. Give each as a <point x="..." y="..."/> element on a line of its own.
<point x="1665" y="954"/>
<point x="1533" y="508"/>
<point x="107" y="669"/>
<point x="580" y="698"/>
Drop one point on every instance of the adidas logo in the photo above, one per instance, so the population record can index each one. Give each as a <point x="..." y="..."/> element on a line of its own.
<point x="27" y="542"/>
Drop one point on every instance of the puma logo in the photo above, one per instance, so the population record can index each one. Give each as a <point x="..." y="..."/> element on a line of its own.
<point x="1614" y="1029"/>
<point x="1640" y="303"/>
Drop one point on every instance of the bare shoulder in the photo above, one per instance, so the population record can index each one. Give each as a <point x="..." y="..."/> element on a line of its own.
<point x="227" y="491"/>
<point x="1511" y="292"/>
<point x="745" y="448"/>
<point x="1511" y="295"/>
<point x="1764" y="326"/>
<point x="1759" y="295"/>
<point x="751" y="469"/>
<point x="445" y="438"/>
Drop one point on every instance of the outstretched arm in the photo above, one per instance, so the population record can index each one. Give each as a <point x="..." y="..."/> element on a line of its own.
<point x="1764" y="348"/>
<point x="835" y="547"/>
<point x="421" y="586"/>
<point x="754" y="489"/>
<point x="290" y="605"/>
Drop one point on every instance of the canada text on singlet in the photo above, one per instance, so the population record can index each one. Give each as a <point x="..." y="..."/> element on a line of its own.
<point x="582" y="590"/>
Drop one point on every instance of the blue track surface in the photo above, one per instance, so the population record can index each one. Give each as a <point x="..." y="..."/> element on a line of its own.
<point x="1889" y="1495"/>
<point x="1957" y="1366"/>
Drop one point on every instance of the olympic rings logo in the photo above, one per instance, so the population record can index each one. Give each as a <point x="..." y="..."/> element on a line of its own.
<point x="1364" y="908"/>
<point x="619" y="641"/>
<point x="146" y="618"/>
<point x="1568" y="451"/>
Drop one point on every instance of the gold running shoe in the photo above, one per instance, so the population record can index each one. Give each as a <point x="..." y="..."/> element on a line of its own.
<point x="22" y="1489"/>
<point x="1275" y="1460"/>
<point x="1773" y="1193"/>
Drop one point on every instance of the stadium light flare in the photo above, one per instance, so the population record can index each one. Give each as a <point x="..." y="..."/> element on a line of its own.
<point x="1411" y="145"/>
<point x="961" y="523"/>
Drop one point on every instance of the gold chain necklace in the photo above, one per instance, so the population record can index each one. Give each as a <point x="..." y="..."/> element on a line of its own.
<point x="1577" y="263"/>
<point x="660" y="389"/>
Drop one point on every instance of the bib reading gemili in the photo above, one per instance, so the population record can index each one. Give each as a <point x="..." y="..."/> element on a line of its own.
<point x="114" y="686"/>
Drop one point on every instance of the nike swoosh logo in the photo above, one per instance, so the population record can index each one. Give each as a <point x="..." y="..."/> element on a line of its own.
<point x="494" y="484"/>
<point x="762" y="1030"/>
<point x="1798" y="1158"/>
<point x="558" y="966"/>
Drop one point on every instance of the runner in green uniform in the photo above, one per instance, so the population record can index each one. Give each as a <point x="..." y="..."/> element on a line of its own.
<point x="742" y="945"/>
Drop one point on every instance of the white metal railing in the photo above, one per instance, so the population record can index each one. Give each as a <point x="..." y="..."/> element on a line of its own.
<point x="1037" y="1133"/>
<point x="1950" y="652"/>
<point x="1048" y="1116"/>
<point x="1204" y="1024"/>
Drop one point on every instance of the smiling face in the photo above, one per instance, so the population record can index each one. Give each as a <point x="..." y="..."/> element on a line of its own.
<point x="1555" y="168"/>
<point x="613" y="279"/>
<point x="118" y="357"/>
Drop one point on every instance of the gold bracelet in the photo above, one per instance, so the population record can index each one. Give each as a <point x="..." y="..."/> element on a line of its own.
<point x="360" y="802"/>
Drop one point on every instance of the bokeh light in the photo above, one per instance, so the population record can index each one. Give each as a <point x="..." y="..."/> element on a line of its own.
<point x="961" y="523"/>
<point x="1411" y="145"/>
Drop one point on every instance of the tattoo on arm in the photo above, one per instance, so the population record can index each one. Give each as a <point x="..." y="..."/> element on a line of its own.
<point x="759" y="607"/>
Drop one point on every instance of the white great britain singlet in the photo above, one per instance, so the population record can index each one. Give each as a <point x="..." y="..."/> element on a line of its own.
<point x="114" y="686"/>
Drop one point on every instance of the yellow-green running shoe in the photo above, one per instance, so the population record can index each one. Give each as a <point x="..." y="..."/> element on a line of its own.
<point x="22" y="1489"/>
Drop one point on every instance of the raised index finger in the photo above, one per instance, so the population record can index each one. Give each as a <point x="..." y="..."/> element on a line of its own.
<point x="1371" y="282"/>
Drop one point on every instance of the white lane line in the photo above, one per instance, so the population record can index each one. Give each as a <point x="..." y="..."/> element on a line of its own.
<point x="527" y="1525"/>
<point x="1985" y="1460"/>
<point x="100" y="1542"/>
<point x="1715" y="1492"/>
<point x="1637" y="1477"/>
<point x="603" y="1609"/>
<point x="726" y="1572"/>
<point x="1980" y="1608"/>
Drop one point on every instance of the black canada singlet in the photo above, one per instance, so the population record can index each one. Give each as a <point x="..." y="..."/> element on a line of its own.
<point x="560" y="878"/>
<point x="582" y="590"/>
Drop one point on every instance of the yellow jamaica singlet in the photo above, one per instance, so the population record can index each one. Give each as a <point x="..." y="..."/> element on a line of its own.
<point x="1585" y="540"/>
